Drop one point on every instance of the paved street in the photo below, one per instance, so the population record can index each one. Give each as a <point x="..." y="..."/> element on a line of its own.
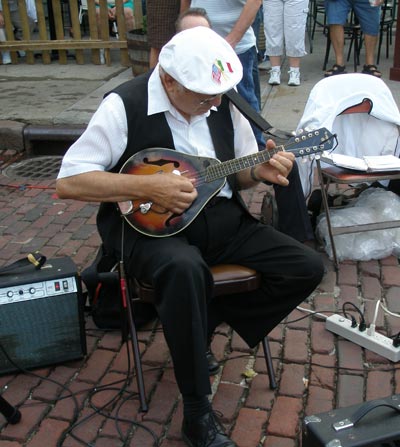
<point x="93" y="400"/>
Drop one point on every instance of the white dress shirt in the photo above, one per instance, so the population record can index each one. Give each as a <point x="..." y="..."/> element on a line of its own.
<point x="104" y="141"/>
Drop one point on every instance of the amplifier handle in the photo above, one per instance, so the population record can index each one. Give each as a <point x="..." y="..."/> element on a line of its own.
<point x="362" y="411"/>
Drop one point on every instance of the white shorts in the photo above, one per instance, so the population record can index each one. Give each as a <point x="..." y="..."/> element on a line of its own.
<point x="285" y="27"/>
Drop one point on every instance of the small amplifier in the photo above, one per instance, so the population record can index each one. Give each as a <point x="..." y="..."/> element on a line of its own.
<point x="41" y="316"/>
<point x="375" y="423"/>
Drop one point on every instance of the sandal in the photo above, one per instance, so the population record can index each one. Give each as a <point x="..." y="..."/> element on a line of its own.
<point x="335" y="70"/>
<point x="372" y="70"/>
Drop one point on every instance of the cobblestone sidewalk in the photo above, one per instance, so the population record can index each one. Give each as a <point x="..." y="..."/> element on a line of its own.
<point x="93" y="401"/>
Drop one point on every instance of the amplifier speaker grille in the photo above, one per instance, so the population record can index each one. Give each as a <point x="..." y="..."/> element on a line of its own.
<point x="42" y="331"/>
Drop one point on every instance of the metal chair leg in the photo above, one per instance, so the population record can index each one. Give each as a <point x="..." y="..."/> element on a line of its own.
<point x="327" y="214"/>
<point x="127" y="302"/>
<point x="12" y="415"/>
<point x="327" y="51"/>
<point x="268" y="360"/>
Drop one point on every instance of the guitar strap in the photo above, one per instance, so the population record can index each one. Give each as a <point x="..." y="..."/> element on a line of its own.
<point x="247" y="110"/>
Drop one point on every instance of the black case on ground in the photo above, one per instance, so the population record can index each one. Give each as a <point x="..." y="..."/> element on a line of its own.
<point x="371" y="424"/>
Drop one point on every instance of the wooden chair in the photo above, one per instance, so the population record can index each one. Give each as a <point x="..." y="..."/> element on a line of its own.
<point x="228" y="279"/>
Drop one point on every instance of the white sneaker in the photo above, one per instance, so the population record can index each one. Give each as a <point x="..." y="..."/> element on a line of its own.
<point x="5" y="55"/>
<point x="274" y="77"/>
<point x="294" y="78"/>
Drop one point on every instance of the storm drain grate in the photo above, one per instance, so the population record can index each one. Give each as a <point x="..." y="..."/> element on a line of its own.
<point x="34" y="168"/>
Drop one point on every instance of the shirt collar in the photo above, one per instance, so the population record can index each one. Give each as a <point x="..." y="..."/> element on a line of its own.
<point x="158" y="101"/>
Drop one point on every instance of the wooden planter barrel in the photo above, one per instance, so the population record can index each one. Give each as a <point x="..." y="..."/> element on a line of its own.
<point x="139" y="51"/>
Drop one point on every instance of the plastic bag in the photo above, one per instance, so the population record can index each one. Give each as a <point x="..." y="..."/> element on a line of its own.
<point x="373" y="205"/>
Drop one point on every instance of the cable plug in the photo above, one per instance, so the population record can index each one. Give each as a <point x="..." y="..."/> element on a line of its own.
<point x="396" y="340"/>
<point x="353" y="321"/>
<point x="371" y="330"/>
<point x="362" y="327"/>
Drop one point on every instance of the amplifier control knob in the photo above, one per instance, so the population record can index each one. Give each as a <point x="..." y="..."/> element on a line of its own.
<point x="32" y="290"/>
<point x="10" y="293"/>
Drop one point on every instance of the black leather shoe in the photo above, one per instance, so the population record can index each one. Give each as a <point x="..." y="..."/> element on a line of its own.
<point x="206" y="431"/>
<point x="213" y="364"/>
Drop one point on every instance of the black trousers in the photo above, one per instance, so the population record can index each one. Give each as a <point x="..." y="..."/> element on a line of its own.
<point x="178" y="267"/>
<point x="292" y="208"/>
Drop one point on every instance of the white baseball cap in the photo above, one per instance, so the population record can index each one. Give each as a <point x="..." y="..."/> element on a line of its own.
<point x="202" y="61"/>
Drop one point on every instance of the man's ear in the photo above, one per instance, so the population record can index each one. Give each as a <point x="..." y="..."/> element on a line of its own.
<point x="169" y="82"/>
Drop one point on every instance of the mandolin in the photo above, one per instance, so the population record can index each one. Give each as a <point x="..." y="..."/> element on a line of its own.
<point x="210" y="177"/>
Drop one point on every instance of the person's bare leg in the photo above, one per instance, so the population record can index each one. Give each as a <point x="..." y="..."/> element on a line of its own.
<point x="370" y="46"/>
<point x="336" y="33"/>
<point x="129" y="19"/>
<point x="294" y="62"/>
<point x="275" y="61"/>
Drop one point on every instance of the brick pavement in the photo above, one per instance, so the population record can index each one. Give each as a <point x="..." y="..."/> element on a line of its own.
<point x="93" y="401"/>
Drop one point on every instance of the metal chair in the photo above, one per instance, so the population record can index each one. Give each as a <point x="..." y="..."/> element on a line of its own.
<point x="228" y="279"/>
<point x="333" y="174"/>
<point x="317" y="11"/>
<point x="387" y="20"/>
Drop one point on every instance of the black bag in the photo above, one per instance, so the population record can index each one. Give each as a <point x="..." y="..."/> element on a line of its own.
<point x="101" y="279"/>
<point x="33" y="261"/>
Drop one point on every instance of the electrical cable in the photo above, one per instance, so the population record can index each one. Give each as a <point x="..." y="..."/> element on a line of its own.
<point x="371" y="329"/>
<point x="316" y="313"/>
<point x="32" y="374"/>
<point x="70" y="395"/>
<point x="113" y="400"/>
<point x="362" y="325"/>
<point x="385" y="309"/>
<point x="123" y="390"/>
<point x="93" y="391"/>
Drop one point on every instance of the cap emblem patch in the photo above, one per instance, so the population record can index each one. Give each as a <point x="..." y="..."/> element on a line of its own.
<point x="219" y="70"/>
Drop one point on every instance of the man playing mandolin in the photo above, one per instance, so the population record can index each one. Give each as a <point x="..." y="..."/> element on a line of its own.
<point x="120" y="161"/>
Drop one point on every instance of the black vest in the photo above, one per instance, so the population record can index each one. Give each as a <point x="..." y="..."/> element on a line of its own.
<point x="153" y="131"/>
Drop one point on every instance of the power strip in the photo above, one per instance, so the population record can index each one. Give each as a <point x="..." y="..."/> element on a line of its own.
<point x="376" y="343"/>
